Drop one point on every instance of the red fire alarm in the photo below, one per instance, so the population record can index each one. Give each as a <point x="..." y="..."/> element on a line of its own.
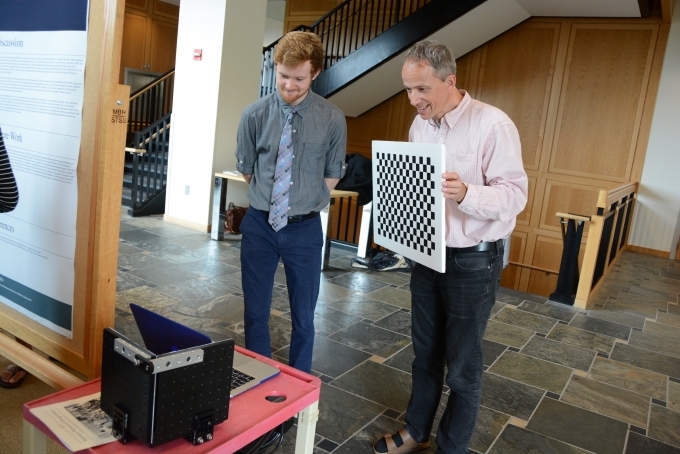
<point x="198" y="54"/>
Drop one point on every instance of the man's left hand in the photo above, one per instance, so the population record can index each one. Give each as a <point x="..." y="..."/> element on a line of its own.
<point x="452" y="187"/>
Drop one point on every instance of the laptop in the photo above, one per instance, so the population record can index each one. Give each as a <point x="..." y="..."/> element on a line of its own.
<point x="162" y="335"/>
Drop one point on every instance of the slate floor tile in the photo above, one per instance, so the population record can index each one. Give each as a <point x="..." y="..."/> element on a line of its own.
<point x="137" y="236"/>
<point x="673" y="309"/>
<point x="491" y="351"/>
<point x="663" y="425"/>
<point x="332" y="358"/>
<point x="384" y="385"/>
<point x="497" y="307"/>
<point x="140" y="260"/>
<point x="402" y="360"/>
<point x="344" y="413"/>
<point x="520" y="296"/>
<point x="659" y="329"/>
<point x="654" y="291"/>
<point x="358" y="282"/>
<point x="329" y="292"/>
<point x="634" y="304"/>
<point x="560" y="353"/>
<point x="363" y="307"/>
<point x="622" y="318"/>
<point x="397" y="278"/>
<point x="507" y="334"/>
<point x="646" y="359"/>
<point x="526" y="320"/>
<point x="509" y="397"/>
<point x="674" y="396"/>
<point x="607" y="400"/>
<point x="549" y="310"/>
<point x="125" y="281"/>
<point x="601" y="326"/>
<point x="196" y="291"/>
<point x="654" y="343"/>
<point x="629" y="377"/>
<point x="581" y="338"/>
<point x="164" y="275"/>
<point x="371" y="339"/>
<point x="532" y="371"/>
<point x="399" y="322"/>
<point x="668" y="319"/>
<point x="515" y="440"/>
<point x="362" y="441"/>
<point x="489" y="424"/>
<point x="392" y="296"/>
<point x="639" y="444"/>
<point x="579" y="427"/>
<point x="209" y="268"/>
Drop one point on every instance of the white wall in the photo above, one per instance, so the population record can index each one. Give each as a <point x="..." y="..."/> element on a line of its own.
<point x="273" y="30"/>
<point x="208" y="100"/>
<point x="656" y="214"/>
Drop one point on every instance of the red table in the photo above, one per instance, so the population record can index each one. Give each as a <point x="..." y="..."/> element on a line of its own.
<point x="250" y="416"/>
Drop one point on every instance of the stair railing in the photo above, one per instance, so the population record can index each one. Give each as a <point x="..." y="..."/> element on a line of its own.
<point x="607" y="236"/>
<point x="150" y="161"/>
<point x="150" y="103"/>
<point x="344" y="29"/>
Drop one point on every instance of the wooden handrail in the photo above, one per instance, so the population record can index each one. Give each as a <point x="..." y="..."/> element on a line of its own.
<point x="575" y="217"/>
<point x="153" y="84"/>
<point x="536" y="268"/>
<point x="599" y="257"/>
<point x="153" y="136"/>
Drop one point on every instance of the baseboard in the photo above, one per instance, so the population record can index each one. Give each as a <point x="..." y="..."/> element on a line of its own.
<point x="648" y="251"/>
<point x="188" y="224"/>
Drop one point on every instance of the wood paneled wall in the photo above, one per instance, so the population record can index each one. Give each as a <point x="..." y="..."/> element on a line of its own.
<point x="582" y="93"/>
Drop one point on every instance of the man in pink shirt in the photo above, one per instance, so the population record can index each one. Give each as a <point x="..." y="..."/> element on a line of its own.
<point x="485" y="187"/>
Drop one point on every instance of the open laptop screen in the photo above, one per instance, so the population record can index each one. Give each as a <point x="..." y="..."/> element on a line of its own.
<point x="162" y="335"/>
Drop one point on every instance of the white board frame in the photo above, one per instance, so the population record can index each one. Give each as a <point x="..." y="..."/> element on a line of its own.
<point x="436" y="153"/>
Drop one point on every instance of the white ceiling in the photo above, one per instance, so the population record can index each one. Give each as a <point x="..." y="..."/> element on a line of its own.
<point x="276" y="9"/>
<point x="581" y="8"/>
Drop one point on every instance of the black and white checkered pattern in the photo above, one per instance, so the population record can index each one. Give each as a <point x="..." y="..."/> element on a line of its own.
<point x="406" y="197"/>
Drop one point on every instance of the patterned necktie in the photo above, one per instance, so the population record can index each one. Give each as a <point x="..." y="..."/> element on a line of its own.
<point x="278" y="211"/>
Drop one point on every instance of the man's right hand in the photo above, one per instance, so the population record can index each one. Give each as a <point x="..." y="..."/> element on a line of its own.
<point x="247" y="178"/>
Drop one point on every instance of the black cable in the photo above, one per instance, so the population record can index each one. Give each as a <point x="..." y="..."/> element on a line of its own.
<point x="278" y="445"/>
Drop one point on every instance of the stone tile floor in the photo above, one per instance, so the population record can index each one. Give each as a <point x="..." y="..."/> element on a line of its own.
<point x="557" y="380"/>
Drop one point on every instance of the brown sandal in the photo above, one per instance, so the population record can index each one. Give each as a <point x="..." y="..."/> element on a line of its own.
<point x="408" y="444"/>
<point x="14" y="370"/>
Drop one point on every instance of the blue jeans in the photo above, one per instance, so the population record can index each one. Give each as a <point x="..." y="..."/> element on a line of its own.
<point x="449" y="316"/>
<point x="299" y="247"/>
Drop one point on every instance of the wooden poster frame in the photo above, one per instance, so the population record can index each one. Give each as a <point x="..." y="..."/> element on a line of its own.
<point x="100" y="179"/>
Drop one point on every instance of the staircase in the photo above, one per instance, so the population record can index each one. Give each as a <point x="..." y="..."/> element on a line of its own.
<point x="358" y="36"/>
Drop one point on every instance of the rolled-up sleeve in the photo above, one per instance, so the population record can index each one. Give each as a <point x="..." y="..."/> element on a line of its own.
<point x="335" y="158"/>
<point x="246" y="150"/>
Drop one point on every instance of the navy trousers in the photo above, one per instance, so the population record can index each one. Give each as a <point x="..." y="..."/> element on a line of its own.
<point x="298" y="245"/>
<point x="449" y="316"/>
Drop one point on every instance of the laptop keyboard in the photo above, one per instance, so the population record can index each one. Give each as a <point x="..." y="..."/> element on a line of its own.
<point x="239" y="378"/>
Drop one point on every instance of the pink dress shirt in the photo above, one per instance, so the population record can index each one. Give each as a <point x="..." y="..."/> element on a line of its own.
<point x="483" y="147"/>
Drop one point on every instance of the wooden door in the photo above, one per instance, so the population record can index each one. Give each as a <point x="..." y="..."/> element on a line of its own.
<point x="134" y="43"/>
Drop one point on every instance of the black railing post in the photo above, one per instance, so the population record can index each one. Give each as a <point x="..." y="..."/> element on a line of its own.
<point x="567" y="280"/>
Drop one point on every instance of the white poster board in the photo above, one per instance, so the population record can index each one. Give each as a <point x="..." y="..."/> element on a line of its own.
<point x="42" y="69"/>
<point x="408" y="214"/>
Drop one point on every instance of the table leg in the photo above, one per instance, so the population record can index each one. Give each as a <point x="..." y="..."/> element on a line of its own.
<point x="35" y="441"/>
<point x="326" y="215"/>
<point x="219" y="204"/>
<point x="364" y="230"/>
<point x="304" y="443"/>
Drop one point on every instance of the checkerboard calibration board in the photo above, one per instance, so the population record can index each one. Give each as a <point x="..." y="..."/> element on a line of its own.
<point x="408" y="215"/>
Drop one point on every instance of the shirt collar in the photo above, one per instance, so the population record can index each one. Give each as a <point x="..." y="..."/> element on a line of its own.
<point x="452" y="116"/>
<point x="299" y="109"/>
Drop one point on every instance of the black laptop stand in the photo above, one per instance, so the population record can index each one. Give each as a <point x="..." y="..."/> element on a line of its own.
<point x="159" y="398"/>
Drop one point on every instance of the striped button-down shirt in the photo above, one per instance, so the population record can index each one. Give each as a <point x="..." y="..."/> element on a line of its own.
<point x="483" y="147"/>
